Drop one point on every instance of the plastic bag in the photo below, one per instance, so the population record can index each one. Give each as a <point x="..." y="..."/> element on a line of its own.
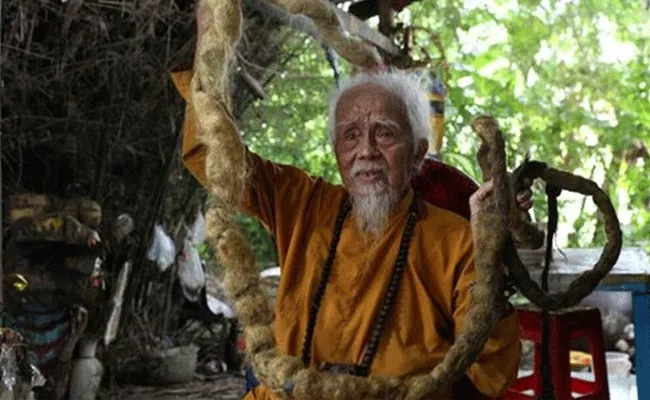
<point x="18" y="376"/>
<point x="219" y="307"/>
<point x="162" y="249"/>
<point x="190" y="272"/>
<point x="197" y="232"/>
<point x="9" y="367"/>
<point x="38" y="379"/>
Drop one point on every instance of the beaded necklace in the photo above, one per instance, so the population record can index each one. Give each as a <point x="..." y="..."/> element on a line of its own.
<point x="362" y="369"/>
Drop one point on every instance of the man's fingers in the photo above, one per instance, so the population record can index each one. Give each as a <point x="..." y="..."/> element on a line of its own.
<point x="484" y="190"/>
<point x="526" y="205"/>
<point x="525" y="199"/>
<point x="476" y="199"/>
<point x="524" y="195"/>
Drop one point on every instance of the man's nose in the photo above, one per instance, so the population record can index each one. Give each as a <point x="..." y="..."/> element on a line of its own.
<point x="368" y="146"/>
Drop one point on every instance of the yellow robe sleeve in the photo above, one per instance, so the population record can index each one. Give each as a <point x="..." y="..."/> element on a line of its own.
<point x="276" y="193"/>
<point x="496" y="367"/>
<point x="193" y="151"/>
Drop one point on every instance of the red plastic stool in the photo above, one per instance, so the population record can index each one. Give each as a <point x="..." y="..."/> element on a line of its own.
<point x="564" y="326"/>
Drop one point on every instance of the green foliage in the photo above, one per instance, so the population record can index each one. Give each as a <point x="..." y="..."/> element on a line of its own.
<point x="567" y="80"/>
<point x="291" y="125"/>
<point x="259" y="238"/>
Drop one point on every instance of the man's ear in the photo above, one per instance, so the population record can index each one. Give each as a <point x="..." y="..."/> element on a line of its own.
<point x="421" y="149"/>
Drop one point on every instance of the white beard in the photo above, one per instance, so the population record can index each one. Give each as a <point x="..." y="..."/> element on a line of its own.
<point x="373" y="208"/>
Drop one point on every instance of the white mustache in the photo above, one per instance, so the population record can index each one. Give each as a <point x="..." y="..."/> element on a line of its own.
<point x="364" y="166"/>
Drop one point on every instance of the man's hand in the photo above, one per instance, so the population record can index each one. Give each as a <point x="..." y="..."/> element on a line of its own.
<point x="525" y="199"/>
<point x="476" y="200"/>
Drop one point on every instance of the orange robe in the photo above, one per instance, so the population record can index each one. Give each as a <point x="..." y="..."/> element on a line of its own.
<point x="433" y="297"/>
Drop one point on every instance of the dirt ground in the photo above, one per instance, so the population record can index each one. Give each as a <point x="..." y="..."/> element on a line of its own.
<point x="220" y="387"/>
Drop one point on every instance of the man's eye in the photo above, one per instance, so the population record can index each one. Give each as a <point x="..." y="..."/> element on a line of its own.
<point x="385" y="135"/>
<point x="351" y="134"/>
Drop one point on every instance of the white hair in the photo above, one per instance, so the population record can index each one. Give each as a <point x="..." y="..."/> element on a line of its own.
<point x="372" y="208"/>
<point x="401" y="85"/>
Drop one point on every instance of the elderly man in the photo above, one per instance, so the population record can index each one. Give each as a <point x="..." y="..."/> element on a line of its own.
<point x="372" y="224"/>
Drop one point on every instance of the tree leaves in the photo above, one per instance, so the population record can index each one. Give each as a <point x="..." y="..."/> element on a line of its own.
<point x="569" y="82"/>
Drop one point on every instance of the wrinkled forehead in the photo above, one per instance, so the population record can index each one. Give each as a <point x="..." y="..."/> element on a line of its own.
<point x="370" y="100"/>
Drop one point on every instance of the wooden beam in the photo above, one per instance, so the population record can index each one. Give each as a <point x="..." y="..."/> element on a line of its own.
<point x="359" y="28"/>
<point x="350" y="23"/>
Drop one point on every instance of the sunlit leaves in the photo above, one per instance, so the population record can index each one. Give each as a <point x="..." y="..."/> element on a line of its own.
<point x="568" y="80"/>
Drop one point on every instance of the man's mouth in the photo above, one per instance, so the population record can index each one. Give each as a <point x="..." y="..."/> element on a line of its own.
<point x="370" y="175"/>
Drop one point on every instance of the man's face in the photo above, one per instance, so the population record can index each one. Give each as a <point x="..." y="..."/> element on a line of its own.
<point x="372" y="142"/>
